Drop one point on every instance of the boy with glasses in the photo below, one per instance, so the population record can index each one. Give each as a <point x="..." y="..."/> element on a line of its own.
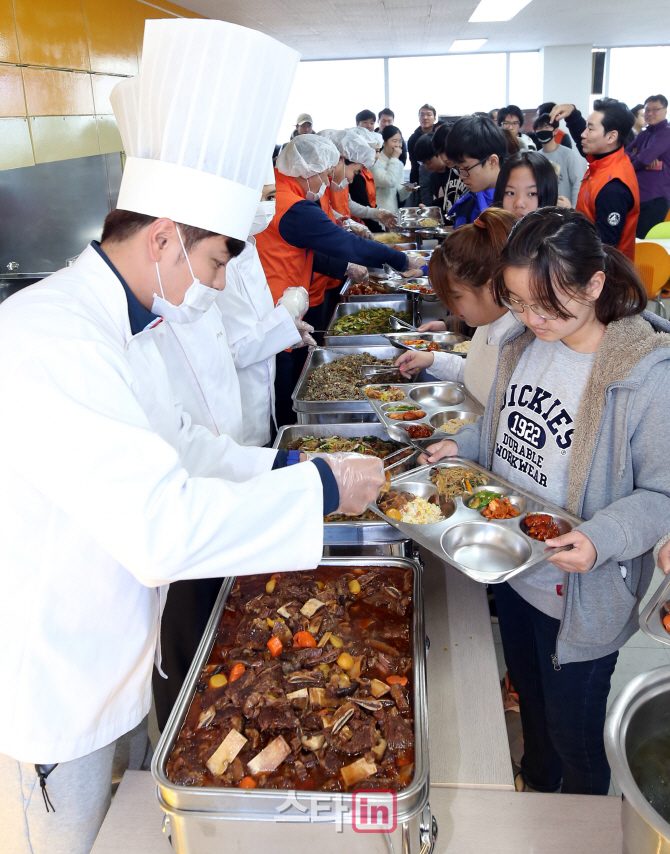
<point x="478" y="149"/>
<point x="427" y="123"/>
<point x="511" y="118"/>
<point x="650" y="155"/>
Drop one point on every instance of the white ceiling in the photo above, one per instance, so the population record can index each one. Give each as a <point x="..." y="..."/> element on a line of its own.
<point x="340" y="29"/>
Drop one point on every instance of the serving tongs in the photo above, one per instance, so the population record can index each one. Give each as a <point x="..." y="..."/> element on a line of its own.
<point x="371" y="372"/>
<point x="400" y="325"/>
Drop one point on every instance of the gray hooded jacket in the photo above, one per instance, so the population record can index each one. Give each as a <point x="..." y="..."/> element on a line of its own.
<point x="619" y="477"/>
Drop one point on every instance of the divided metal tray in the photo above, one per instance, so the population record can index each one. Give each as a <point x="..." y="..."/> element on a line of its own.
<point x="651" y="618"/>
<point x="490" y="551"/>
<point x="446" y="340"/>
<point x="352" y="530"/>
<point x="441" y="401"/>
<point x="398" y="304"/>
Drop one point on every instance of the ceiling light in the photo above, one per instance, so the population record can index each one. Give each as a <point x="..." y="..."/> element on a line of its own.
<point x="466" y="45"/>
<point x="497" y="10"/>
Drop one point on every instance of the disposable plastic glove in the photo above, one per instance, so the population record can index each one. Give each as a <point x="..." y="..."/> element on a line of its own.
<point x="295" y="301"/>
<point x="386" y="217"/>
<point x="357" y="272"/>
<point x="359" y="479"/>
<point x="304" y="329"/>
<point x="359" y="229"/>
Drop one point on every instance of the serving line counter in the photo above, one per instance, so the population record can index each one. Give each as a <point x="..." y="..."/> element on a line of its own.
<point x="470" y="821"/>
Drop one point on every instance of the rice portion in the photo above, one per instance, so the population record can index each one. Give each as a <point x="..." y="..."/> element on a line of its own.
<point x="421" y="512"/>
<point x="453" y="425"/>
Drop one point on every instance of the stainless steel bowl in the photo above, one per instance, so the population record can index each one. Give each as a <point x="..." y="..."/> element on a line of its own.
<point x="440" y="419"/>
<point x="639" y="713"/>
<point x="442" y="395"/>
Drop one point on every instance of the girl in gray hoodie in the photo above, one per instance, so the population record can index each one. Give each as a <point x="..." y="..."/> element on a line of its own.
<point x="577" y="415"/>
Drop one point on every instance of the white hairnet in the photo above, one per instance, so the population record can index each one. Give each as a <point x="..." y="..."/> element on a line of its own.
<point x="333" y="135"/>
<point x="357" y="150"/>
<point x="372" y="138"/>
<point x="306" y="155"/>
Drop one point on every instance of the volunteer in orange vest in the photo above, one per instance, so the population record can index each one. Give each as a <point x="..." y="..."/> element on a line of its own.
<point x="355" y="155"/>
<point x="609" y="194"/>
<point x="299" y="231"/>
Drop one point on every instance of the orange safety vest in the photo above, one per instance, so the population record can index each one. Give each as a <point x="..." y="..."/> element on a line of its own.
<point x="339" y="201"/>
<point x="285" y="266"/>
<point x="601" y="172"/>
<point x="370" y="187"/>
<point x="320" y="282"/>
<point x="558" y="136"/>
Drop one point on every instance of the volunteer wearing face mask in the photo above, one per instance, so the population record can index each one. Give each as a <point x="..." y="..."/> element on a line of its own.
<point x="107" y="491"/>
<point x="301" y="239"/>
<point x="355" y="155"/>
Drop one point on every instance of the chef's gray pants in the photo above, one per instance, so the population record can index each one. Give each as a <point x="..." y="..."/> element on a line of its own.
<point x="80" y="792"/>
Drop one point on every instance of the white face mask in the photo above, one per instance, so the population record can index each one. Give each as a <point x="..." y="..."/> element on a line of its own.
<point x="264" y="215"/>
<point x="344" y="183"/>
<point x="197" y="299"/>
<point x="314" y="197"/>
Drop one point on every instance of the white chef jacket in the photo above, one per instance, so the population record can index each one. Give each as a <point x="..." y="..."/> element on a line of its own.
<point x="257" y="331"/>
<point x="106" y="492"/>
<point x="202" y="372"/>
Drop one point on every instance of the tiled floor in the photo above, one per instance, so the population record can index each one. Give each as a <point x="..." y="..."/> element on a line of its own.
<point x="641" y="653"/>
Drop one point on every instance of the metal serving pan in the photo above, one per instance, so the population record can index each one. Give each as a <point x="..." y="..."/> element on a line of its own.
<point x="651" y="618"/>
<point x="351" y="531"/>
<point x="323" y="356"/>
<point x="386" y="292"/>
<point x="490" y="551"/>
<point x="344" y="308"/>
<point x="446" y="340"/>
<point x="190" y="807"/>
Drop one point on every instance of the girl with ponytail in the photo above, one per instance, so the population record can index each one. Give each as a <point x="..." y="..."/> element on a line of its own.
<point x="460" y="271"/>
<point x="578" y="416"/>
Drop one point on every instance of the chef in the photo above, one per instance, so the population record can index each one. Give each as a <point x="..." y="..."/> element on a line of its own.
<point x="108" y="492"/>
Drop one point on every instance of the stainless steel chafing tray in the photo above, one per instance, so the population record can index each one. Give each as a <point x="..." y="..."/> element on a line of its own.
<point x="487" y="550"/>
<point x="651" y="618"/>
<point x="446" y="340"/>
<point x="351" y="530"/>
<point x="386" y="293"/>
<point x="330" y="411"/>
<point x="344" y="308"/>
<point x="198" y="815"/>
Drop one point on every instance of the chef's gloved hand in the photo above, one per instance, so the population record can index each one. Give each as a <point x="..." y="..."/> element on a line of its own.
<point x="359" y="229"/>
<point x="415" y="260"/>
<point x="358" y="273"/>
<point x="304" y="329"/>
<point x="295" y="301"/>
<point x="386" y="218"/>
<point x="359" y="479"/>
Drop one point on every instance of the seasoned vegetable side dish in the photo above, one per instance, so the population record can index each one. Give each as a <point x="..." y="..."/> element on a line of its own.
<point x="456" y="480"/>
<point x="368" y="321"/>
<point x="500" y="508"/>
<point x="370" y="445"/>
<point x="421" y="344"/>
<point x="342" y="380"/>
<point x="366" y="289"/>
<point x="308" y="686"/>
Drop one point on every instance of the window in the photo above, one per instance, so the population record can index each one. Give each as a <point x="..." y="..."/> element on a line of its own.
<point x="454" y="85"/>
<point x="525" y="80"/>
<point x="638" y="72"/>
<point x="332" y="92"/>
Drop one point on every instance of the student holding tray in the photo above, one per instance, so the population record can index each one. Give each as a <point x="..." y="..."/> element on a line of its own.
<point x="576" y="414"/>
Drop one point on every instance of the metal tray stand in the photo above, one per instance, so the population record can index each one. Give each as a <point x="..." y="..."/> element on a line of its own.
<point x="651" y="618"/>
<point x="487" y="550"/>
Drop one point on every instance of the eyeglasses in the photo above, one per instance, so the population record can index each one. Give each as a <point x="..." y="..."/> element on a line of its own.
<point x="518" y="307"/>
<point x="509" y="125"/>
<point x="653" y="109"/>
<point x="464" y="172"/>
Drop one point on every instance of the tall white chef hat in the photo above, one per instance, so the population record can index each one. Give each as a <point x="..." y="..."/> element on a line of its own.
<point x="306" y="155"/>
<point x="211" y="99"/>
<point x="125" y="98"/>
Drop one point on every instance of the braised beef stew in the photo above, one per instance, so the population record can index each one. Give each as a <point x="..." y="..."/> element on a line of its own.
<point x="308" y="686"/>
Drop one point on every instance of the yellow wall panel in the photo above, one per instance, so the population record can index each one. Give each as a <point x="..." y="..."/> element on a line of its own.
<point x="58" y="93"/>
<point x="52" y="32"/>
<point x="102" y="87"/>
<point x="9" y="46"/>
<point x="12" y="99"/>
<point x="108" y="135"/>
<point x="111" y="36"/>
<point x="64" y="137"/>
<point x="16" y="149"/>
